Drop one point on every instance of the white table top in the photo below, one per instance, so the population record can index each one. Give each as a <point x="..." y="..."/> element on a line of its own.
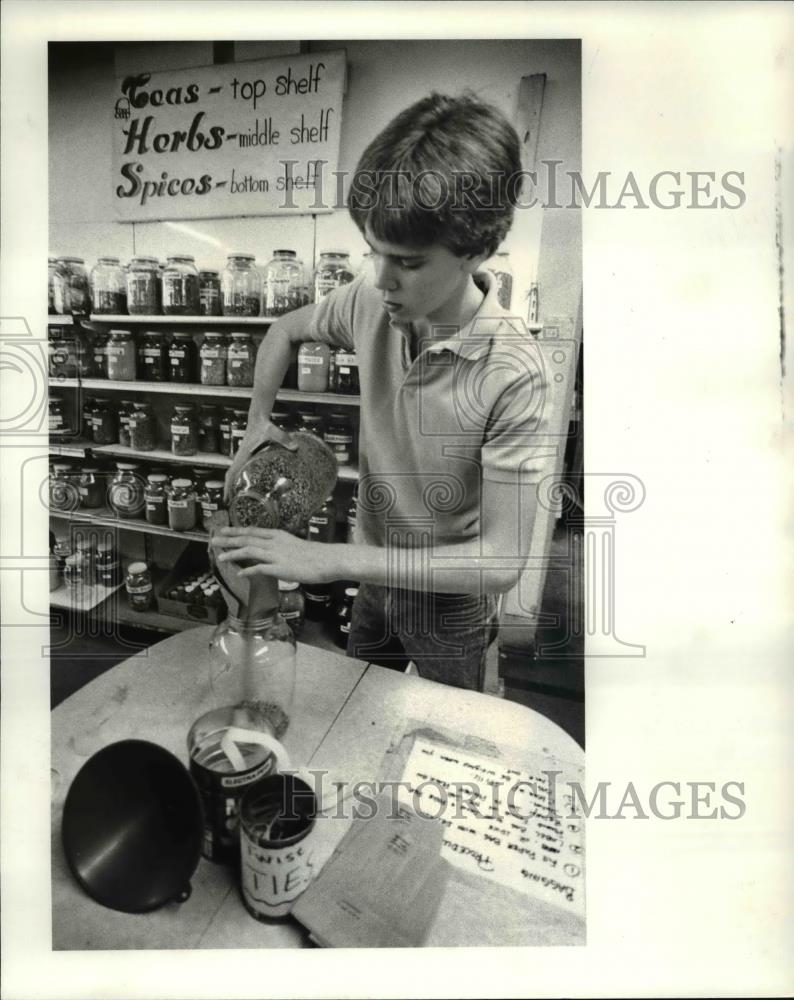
<point x="346" y="715"/>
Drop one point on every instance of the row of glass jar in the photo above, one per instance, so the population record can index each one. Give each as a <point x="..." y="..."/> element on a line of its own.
<point x="89" y="560"/>
<point x="145" y="287"/>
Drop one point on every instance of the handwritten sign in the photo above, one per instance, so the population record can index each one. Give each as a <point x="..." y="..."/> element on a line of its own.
<point x="497" y="820"/>
<point x="249" y="138"/>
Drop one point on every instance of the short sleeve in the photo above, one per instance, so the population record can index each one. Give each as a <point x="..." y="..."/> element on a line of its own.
<point x="333" y="318"/>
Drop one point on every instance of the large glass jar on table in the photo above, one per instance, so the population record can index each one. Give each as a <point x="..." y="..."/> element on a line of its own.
<point x="181" y="286"/>
<point x="71" y="293"/>
<point x="283" y="283"/>
<point x="182" y="358"/>
<point x="108" y="282"/>
<point x="152" y="365"/>
<point x="240" y="361"/>
<point x="241" y="286"/>
<point x="143" y="427"/>
<point x="143" y="287"/>
<point x="213" y="355"/>
<point x="122" y="361"/>
<point x="126" y="493"/>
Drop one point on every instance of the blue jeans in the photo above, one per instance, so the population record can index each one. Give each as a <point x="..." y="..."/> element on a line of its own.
<point x="446" y="635"/>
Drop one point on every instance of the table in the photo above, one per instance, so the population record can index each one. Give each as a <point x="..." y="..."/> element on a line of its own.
<point x="346" y="715"/>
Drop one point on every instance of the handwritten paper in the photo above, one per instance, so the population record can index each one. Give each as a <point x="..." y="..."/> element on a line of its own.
<point x="248" y="138"/>
<point x="508" y="825"/>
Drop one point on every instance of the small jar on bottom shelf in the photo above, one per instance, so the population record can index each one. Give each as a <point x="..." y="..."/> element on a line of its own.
<point x="139" y="587"/>
<point x="156" y="498"/>
<point x="107" y="568"/>
<point x="184" y="430"/>
<point x="182" y="506"/>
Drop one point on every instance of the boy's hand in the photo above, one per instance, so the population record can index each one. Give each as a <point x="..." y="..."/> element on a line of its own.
<point x="279" y="554"/>
<point x="255" y="437"/>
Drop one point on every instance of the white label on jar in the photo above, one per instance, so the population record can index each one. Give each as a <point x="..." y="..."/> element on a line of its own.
<point x="345" y="439"/>
<point x="236" y="364"/>
<point x="238" y="434"/>
<point x="347" y="359"/>
<point x="125" y="418"/>
<point x="177" y="504"/>
<point x="96" y="421"/>
<point x="114" y="352"/>
<point x="345" y="629"/>
<point x="179" y="430"/>
<point x="310" y="360"/>
<point x="210" y="352"/>
<point x="83" y="490"/>
<point x="151" y="352"/>
<point x="209" y="506"/>
<point x="177" y="353"/>
<point x="153" y="504"/>
<point x="145" y="589"/>
<point x="56" y="422"/>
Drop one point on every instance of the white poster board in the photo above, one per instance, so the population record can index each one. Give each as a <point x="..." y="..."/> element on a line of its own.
<point x="249" y="138"/>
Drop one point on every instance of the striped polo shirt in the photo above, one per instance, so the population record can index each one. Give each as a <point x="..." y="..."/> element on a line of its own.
<point x="467" y="408"/>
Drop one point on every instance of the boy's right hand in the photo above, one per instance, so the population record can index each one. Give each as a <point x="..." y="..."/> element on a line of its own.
<point x="266" y="431"/>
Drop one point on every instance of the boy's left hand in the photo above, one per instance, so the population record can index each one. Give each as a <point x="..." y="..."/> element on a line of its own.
<point x="277" y="553"/>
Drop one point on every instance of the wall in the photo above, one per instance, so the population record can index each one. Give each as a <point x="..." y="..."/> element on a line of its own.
<point x="384" y="77"/>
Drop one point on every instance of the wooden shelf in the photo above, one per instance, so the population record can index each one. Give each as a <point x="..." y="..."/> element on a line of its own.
<point x="122" y="320"/>
<point x="53" y="320"/>
<point x="209" y="459"/>
<point x="191" y="389"/>
<point x="85" y="599"/>
<point x="103" y="517"/>
<point x="70" y="448"/>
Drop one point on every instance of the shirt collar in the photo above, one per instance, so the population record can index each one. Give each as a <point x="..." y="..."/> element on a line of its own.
<point x="474" y="339"/>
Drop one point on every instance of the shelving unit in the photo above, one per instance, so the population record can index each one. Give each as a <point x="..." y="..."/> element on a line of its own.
<point x="86" y="599"/>
<point x="112" y="604"/>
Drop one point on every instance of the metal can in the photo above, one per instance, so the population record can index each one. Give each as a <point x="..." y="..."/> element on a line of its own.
<point x="277" y="815"/>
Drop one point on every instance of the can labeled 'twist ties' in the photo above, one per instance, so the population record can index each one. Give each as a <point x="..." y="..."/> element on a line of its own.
<point x="277" y="815"/>
<point x="221" y="780"/>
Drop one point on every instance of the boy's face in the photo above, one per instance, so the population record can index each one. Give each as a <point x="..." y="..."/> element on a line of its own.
<point x="420" y="282"/>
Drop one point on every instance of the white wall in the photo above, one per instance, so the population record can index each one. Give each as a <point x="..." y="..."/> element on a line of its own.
<point x="384" y="77"/>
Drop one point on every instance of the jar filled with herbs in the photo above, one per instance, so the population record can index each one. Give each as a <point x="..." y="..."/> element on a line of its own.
<point x="241" y="286"/>
<point x="333" y="271"/>
<point x="283" y="283"/>
<point x="240" y="361"/>
<point x="103" y="422"/>
<point x="213" y="356"/>
<point x="143" y="427"/>
<point x="182" y="505"/>
<point x="108" y="282"/>
<point x="91" y="487"/>
<point x="152" y="365"/>
<point x="209" y="293"/>
<point x="211" y="500"/>
<point x="208" y="429"/>
<point x="182" y="358"/>
<point x="184" y="430"/>
<point x="143" y="287"/>
<point x="126" y="493"/>
<point x="122" y="361"/>
<point x="71" y="292"/>
<point x="181" y="286"/>
<point x="139" y="586"/>
<point x="156" y="498"/>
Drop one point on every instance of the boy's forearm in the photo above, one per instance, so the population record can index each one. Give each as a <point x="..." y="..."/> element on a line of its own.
<point x="276" y="352"/>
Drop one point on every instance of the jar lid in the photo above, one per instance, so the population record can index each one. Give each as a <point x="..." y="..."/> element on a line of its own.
<point x="215" y="484"/>
<point x="214" y="333"/>
<point x="145" y="260"/>
<point x="181" y="256"/>
<point x="72" y="260"/>
<point x="90" y="468"/>
<point x="157" y="477"/>
<point x="351" y="591"/>
<point x="137" y="567"/>
<point x="181" y="484"/>
<point x="101" y="401"/>
<point x="288" y="585"/>
<point x="127" y="466"/>
<point x="285" y="253"/>
<point x="61" y="466"/>
<point x="184" y="407"/>
<point x="240" y="333"/>
<point x="120" y="333"/>
<point x="107" y="260"/>
<point x="183" y="335"/>
<point x="337" y="415"/>
<point x="240" y="413"/>
<point x="241" y="255"/>
<point x="334" y="252"/>
<point x="206" y="271"/>
<point x="142" y="405"/>
<point x="152" y="333"/>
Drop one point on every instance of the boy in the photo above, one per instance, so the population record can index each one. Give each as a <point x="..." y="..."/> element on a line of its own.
<point x="449" y="398"/>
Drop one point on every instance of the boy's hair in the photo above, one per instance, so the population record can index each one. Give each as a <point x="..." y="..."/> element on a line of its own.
<point x="446" y="170"/>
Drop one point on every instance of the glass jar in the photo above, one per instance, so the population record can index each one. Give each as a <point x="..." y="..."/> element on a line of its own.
<point x="322" y="523"/>
<point x="282" y="419"/>
<point x="91" y="487"/>
<point x="252" y="667"/>
<point x="143" y="427"/>
<point x="74" y="576"/>
<point x="64" y="493"/>
<point x="184" y="430"/>
<point x="213" y="359"/>
<point x="139" y="587"/>
<point x="209" y="293"/>
<point x="181" y="287"/>
<point x="121" y="356"/>
<point x="241" y="286"/>
<point x="503" y="274"/>
<point x="237" y="429"/>
<point x="85" y="356"/>
<point x="339" y="437"/>
<point x="143" y="287"/>
<point x="107" y="568"/>
<point x="208" y="429"/>
<point x="240" y="361"/>
<point x="343" y="375"/>
<point x="152" y="365"/>
<point x="156" y="498"/>
<point x="225" y="428"/>
<point x="279" y="488"/>
<point x="332" y="271"/>
<point x="71" y="293"/>
<point x="109" y="287"/>
<point x="57" y="418"/>
<point x="86" y="414"/>
<point x="182" y="358"/>
<point x="313" y="366"/>
<point x="103" y="423"/>
<point x="126" y="493"/>
<point x="100" y="355"/>
<point x="126" y="407"/>
<point x="181" y="505"/>
<point x="211" y="500"/>
<point x="291" y="605"/>
<point x="351" y="518"/>
<point x="344" y="616"/>
<point x="61" y="552"/>
<point x="62" y="349"/>
<point x="312" y="423"/>
<point x="199" y="477"/>
<point x="85" y="550"/>
<point x="52" y="265"/>
<point x="283" y="283"/>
